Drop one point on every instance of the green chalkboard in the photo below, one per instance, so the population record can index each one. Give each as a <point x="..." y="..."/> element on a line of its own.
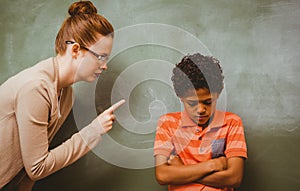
<point x="256" y="41"/>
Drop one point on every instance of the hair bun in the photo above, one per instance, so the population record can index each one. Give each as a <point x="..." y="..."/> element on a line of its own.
<point x="82" y="7"/>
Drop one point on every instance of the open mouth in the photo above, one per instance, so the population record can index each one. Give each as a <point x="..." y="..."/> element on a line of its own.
<point x="97" y="75"/>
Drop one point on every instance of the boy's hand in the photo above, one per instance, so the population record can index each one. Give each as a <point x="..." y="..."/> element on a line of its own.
<point x="219" y="163"/>
<point x="175" y="160"/>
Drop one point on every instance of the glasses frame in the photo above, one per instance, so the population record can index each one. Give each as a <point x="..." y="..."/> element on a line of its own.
<point x="99" y="57"/>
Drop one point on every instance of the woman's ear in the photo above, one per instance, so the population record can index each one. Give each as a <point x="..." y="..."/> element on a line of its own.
<point x="75" y="50"/>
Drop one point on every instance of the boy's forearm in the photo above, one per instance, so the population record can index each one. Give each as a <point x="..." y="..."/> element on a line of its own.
<point x="217" y="179"/>
<point x="183" y="174"/>
<point x="231" y="177"/>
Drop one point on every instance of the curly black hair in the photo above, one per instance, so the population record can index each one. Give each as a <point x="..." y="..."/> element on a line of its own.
<point x="195" y="72"/>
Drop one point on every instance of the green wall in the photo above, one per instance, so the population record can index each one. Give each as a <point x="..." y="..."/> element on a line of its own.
<point x="256" y="41"/>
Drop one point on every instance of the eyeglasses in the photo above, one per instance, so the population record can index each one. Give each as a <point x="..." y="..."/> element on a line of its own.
<point x="99" y="57"/>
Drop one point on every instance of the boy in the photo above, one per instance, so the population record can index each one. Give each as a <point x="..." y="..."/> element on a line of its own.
<point x="200" y="148"/>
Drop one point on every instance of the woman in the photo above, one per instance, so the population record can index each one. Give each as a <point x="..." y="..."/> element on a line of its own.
<point x="35" y="103"/>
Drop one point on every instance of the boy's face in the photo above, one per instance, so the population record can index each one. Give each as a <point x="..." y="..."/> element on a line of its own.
<point x="200" y="105"/>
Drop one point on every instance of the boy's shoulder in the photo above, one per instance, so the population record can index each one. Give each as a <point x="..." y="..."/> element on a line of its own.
<point x="232" y="116"/>
<point x="172" y="118"/>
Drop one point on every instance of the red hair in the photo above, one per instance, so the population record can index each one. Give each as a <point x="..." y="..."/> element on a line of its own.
<point x="84" y="26"/>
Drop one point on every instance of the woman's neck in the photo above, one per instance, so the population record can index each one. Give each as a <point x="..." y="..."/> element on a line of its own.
<point x="66" y="75"/>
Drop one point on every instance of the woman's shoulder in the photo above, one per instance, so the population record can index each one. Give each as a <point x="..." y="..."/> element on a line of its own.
<point x="39" y="76"/>
<point x="42" y="71"/>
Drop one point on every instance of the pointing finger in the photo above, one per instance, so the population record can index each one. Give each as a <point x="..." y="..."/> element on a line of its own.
<point x="116" y="105"/>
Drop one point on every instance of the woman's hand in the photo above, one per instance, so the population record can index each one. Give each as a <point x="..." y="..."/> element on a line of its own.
<point x="107" y="117"/>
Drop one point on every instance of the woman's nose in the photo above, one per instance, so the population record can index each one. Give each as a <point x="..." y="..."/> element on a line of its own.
<point x="103" y="66"/>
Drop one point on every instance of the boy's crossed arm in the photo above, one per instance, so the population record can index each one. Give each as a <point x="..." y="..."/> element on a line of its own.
<point x="218" y="172"/>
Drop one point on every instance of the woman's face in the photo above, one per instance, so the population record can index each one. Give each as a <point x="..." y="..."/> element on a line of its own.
<point x="90" y="66"/>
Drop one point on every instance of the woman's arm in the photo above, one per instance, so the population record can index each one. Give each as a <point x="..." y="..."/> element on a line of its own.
<point x="32" y="113"/>
<point x="33" y="108"/>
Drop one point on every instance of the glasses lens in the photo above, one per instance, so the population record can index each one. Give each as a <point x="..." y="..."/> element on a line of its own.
<point x="103" y="58"/>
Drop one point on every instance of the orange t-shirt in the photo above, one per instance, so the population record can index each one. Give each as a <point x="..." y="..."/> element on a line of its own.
<point x="178" y="133"/>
